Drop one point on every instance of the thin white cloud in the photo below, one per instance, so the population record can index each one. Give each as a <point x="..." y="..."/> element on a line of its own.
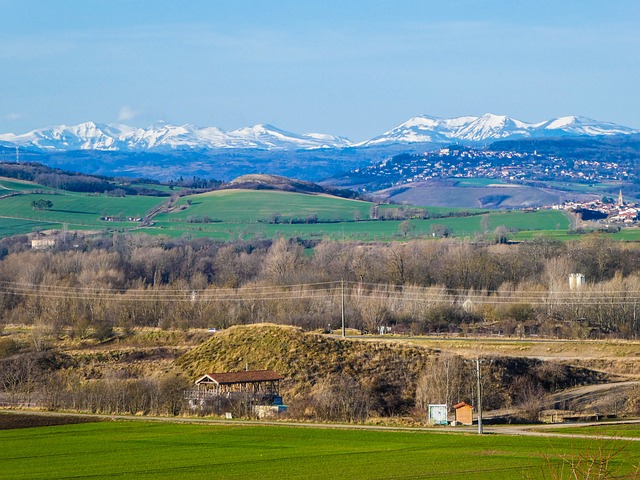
<point x="15" y="116"/>
<point x="127" y="113"/>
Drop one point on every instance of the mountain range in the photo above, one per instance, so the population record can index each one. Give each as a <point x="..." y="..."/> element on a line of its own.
<point x="163" y="137"/>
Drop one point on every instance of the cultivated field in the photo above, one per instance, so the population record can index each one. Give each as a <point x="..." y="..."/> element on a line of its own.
<point x="76" y="210"/>
<point x="152" y="450"/>
<point x="243" y="214"/>
<point x="8" y="185"/>
<point x="233" y="214"/>
<point x="250" y="206"/>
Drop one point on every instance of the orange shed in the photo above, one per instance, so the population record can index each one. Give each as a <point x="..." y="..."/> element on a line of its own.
<point x="464" y="413"/>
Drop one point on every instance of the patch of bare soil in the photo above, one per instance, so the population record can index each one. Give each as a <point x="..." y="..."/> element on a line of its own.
<point x="9" y="421"/>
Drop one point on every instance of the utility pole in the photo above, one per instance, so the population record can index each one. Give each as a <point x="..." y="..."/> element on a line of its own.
<point x="479" y="388"/>
<point x="344" y="331"/>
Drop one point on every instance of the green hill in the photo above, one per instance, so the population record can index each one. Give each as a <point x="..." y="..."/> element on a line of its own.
<point x="267" y="206"/>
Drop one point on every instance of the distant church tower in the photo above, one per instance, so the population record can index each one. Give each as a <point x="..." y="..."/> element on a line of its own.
<point x="620" y="201"/>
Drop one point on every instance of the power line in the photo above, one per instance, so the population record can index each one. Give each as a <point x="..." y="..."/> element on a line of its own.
<point x="323" y="290"/>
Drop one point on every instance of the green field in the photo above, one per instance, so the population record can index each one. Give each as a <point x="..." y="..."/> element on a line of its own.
<point x="76" y="210"/>
<point x="625" y="235"/>
<point x="13" y="226"/>
<point x="616" y="430"/>
<point x="233" y="214"/>
<point x="251" y="206"/>
<point x="159" y="188"/>
<point x="147" y="450"/>
<point x="228" y="206"/>
<point x="8" y="185"/>
<point x="440" y="211"/>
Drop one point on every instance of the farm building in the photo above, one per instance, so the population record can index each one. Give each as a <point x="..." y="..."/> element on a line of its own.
<point x="464" y="414"/>
<point x="258" y="387"/>
<point x="43" y="243"/>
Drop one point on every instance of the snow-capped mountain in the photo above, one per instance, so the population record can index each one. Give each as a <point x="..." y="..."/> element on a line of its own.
<point x="489" y="128"/>
<point x="467" y="130"/>
<point x="162" y="136"/>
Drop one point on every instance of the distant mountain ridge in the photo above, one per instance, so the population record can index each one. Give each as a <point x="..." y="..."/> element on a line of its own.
<point x="489" y="128"/>
<point x="163" y="137"/>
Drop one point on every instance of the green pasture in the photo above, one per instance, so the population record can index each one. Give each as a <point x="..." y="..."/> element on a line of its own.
<point x="367" y="230"/>
<point x="441" y="211"/>
<point x="144" y="450"/>
<point x="517" y="220"/>
<point x="78" y="210"/>
<point x="248" y="206"/>
<point x="249" y="214"/>
<point x="13" y="226"/>
<point x="160" y="188"/>
<point x="613" y="430"/>
<point x="625" y="235"/>
<point x="8" y="185"/>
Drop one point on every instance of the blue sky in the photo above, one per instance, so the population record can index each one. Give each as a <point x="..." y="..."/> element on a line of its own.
<point x="354" y="68"/>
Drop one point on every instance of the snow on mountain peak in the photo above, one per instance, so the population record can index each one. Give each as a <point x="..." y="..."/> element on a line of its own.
<point x="92" y="136"/>
<point x="490" y="127"/>
<point x="470" y="130"/>
<point x="560" y="122"/>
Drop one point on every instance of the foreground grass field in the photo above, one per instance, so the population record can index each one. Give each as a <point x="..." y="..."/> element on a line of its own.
<point x="617" y="430"/>
<point x="146" y="450"/>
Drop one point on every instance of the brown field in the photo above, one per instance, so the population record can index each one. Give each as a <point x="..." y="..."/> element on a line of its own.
<point x="615" y="357"/>
<point x="10" y="421"/>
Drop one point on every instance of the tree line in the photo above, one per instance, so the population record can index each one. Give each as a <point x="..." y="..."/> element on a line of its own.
<point x="424" y="286"/>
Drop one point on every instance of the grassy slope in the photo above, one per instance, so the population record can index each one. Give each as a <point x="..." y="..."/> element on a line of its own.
<point x="239" y="212"/>
<point x="302" y="358"/>
<point x="8" y="185"/>
<point x="13" y="226"/>
<point x="78" y="211"/>
<point x="145" y="450"/>
<point x="247" y="206"/>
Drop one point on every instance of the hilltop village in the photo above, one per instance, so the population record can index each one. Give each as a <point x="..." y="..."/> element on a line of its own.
<point x="599" y="210"/>
<point x="462" y="162"/>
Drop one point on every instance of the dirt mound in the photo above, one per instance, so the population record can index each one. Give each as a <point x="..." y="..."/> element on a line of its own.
<point x="303" y="358"/>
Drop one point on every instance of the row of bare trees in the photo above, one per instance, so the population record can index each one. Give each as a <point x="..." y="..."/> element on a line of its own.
<point x="419" y="286"/>
<point x="45" y="379"/>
